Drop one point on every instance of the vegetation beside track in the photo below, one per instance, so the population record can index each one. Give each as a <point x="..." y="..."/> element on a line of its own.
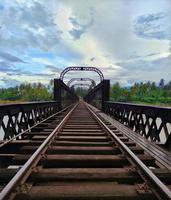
<point x="149" y="93"/>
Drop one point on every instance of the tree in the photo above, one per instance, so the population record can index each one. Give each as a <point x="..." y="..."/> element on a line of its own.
<point x="116" y="92"/>
<point x="161" y="83"/>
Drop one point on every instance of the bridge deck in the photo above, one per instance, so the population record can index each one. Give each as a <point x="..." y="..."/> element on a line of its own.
<point x="77" y="155"/>
<point x="161" y="155"/>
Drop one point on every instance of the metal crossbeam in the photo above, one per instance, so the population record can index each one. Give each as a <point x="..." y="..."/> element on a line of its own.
<point x="81" y="79"/>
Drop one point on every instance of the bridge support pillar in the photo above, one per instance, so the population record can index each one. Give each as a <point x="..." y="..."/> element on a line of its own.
<point x="57" y="92"/>
<point x="105" y="92"/>
<point x="99" y="94"/>
<point x="63" y="94"/>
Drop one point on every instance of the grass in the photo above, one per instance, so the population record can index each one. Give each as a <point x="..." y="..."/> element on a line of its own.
<point x="2" y="102"/>
<point x="153" y="104"/>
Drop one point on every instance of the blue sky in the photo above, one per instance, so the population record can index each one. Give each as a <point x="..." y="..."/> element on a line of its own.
<point x="129" y="40"/>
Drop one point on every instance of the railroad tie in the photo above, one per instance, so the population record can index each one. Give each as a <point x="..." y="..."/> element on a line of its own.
<point x="80" y="160"/>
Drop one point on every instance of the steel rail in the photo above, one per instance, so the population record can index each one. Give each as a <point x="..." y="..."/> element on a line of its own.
<point x="27" y="168"/>
<point x="27" y="130"/>
<point x="164" y="191"/>
<point x="149" y="147"/>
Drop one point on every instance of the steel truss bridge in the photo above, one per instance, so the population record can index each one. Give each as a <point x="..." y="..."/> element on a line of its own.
<point x="91" y="148"/>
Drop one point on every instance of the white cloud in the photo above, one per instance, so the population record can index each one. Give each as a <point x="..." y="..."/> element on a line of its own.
<point x="42" y="61"/>
<point x="74" y="32"/>
<point x="62" y="15"/>
<point x="28" y="25"/>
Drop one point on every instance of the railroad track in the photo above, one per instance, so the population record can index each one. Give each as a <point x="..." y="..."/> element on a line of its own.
<point x="77" y="155"/>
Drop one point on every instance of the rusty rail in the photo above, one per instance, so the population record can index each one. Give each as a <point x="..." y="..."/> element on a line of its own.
<point x="160" y="189"/>
<point x="28" y="167"/>
<point x="78" y="146"/>
<point x="19" y="135"/>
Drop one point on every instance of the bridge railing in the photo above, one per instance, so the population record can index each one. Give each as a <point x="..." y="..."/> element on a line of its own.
<point x="152" y="122"/>
<point x="15" y="118"/>
<point x="63" y="94"/>
<point x="99" y="94"/>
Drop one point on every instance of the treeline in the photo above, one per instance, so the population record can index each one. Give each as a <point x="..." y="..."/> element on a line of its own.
<point x="26" y="92"/>
<point x="149" y="92"/>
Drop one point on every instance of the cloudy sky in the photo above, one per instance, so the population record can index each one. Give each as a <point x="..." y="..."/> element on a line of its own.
<point x="129" y="40"/>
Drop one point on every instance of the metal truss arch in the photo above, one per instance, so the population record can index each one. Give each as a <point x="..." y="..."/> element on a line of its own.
<point x="93" y="83"/>
<point x="79" y="68"/>
<point x="81" y="84"/>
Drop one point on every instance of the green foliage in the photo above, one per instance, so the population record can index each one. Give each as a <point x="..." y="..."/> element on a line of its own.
<point x="80" y="91"/>
<point x="149" y="93"/>
<point x="143" y="92"/>
<point x="26" y="92"/>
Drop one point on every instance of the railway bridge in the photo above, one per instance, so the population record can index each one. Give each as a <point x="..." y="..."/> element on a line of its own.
<point x="84" y="148"/>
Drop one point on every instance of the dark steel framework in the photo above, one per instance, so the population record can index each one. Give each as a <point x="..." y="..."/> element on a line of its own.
<point x="161" y="190"/>
<point x="152" y="122"/>
<point x="63" y="94"/>
<point x="78" y="68"/>
<point x="18" y="184"/>
<point x="99" y="94"/>
<point x="15" y="118"/>
<point x="81" y="79"/>
<point x="28" y="167"/>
